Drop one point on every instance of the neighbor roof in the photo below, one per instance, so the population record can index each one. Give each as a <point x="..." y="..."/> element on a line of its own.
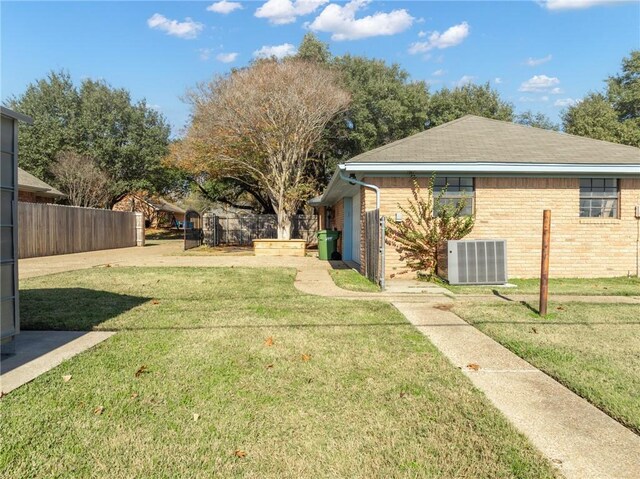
<point x="161" y="204"/>
<point x="28" y="182"/>
<point x="472" y="139"/>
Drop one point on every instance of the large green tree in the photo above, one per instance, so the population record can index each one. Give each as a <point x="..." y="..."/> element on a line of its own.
<point x="613" y="115"/>
<point x="447" y="104"/>
<point x="386" y="105"/>
<point x="537" y="120"/>
<point x="127" y="140"/>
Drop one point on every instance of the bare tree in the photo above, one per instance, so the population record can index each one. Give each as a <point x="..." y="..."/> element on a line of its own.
<point x="260" y="124"/>
<point x="80" y="178"/>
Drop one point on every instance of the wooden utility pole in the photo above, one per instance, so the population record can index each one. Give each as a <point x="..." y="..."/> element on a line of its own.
<point x="544" y="269"/>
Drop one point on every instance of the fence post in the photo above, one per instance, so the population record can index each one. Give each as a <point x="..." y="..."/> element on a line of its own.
<point x="207" y="230"/>
<point x="139" y="229"/>
<point x="544" y="268"/>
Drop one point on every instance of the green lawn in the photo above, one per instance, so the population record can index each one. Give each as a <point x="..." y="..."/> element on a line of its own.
<point x="345" y="389"/>
<point x="594" y="349"/>
<point x="353" y="281"/>
<point x="622" y="286"/>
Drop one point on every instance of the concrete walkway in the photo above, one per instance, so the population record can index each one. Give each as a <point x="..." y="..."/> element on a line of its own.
<point x="39" y="351"/>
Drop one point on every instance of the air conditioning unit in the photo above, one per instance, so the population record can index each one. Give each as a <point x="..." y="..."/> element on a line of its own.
<point x="475" y="262"/>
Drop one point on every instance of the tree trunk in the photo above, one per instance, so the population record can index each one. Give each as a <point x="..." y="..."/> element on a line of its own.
<point x="284" y="225"/>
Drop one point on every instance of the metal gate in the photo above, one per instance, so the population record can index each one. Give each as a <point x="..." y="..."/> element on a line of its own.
<point x="374" y="246"/>
<point x="241" y="230"/>
<point x="192" y="229"/>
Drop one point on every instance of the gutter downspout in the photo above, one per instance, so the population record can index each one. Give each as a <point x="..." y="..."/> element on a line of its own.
<point x="376" y="189"/>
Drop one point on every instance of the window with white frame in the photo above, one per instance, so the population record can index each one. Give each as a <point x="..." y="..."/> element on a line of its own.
<point x="449" y="191"/>
<point x="599" y="197"/>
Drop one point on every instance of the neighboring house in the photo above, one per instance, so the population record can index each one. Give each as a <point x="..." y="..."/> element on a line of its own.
<point x="158" y="213"/>
<point x="510" y="173"/>
<point x="34" y="190"/>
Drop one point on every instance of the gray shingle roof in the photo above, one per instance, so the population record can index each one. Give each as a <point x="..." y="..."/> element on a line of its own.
<point x="473" y="139"/>
<point x="28" y="182"/>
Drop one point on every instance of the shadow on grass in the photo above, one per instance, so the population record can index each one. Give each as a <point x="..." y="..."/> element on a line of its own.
<point x="72" y="309"/>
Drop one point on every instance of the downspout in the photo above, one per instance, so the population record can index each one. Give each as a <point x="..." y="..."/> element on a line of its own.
<point x="376" y="189"/>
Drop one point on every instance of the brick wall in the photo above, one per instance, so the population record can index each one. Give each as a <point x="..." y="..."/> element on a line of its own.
<point x="511" y="209"/>
<point x="27" y="196"/>
<point x="33" y="197"/>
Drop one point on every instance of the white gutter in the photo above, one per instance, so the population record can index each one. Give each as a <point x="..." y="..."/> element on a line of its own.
<point x="376" y="189"/>
<point x="361" y="183"/>
<point x="500" y="168"/>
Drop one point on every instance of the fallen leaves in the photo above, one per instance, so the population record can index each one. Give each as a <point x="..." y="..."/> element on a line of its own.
<point x="134" y="395"/>
<point x="269" y="366"/>
<point x="155" y="301"/>
<point x="306" y="357"/>
<point x="534" y="330"/>
<point x="240" y="453"/>
<point x="141" y="370"/>
<point x="444" y="307"/>
<point x="560" y="308"/>
<point x="473" y="366"/>
<point x="269" y="341"/>
<point x="196" y="416"/>
<point x="66" y="378"/>
<point x="98" y="410"/>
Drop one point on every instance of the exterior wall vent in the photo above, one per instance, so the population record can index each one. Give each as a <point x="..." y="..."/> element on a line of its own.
<point x="476" y="262"/>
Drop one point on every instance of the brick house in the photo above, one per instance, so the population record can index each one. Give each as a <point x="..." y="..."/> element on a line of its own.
<point x="34" y="190"/>
<point x="158" y="213"/>
<point x="509" y="174"/>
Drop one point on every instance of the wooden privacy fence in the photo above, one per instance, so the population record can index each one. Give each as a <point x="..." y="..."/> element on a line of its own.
<point x="243" y="229"/>
<point x="374" y="243"/>
<point x="45" y="229"/>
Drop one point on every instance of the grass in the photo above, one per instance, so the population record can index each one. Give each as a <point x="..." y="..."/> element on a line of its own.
<point x="347" y="389"/>
<point x="621" y="286"/>
<point x="163" y="234"/>
<point x="353" y="281"/>
<point x="592" y="348"/>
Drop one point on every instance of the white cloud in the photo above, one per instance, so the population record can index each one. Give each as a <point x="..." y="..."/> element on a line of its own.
<point x="187" y="29"/>
<point x="562" y="102"/>
<point x="438" y="73"/>
<point x="226" y="57"/>
<point x="464" y="80"/>
<point x="453" y="36"/>
<point x="281" y="12"/>
<point x="422" y="34"/>
<point x="497" y="80"/>
<point x="278" y="51"/>
<point x="544" y="98"/>
<point x="224" y="7"/>
<point x="341" y="21"/>
<point x="540" y="83"/>
<point x="556" y="91"/>
<point x="533" y="62"/>
<point x="205" y="54"/>
<point x="578" y="4"/>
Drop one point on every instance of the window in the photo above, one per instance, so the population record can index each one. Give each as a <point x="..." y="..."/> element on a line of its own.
<point x="598" y="197"/>
<point x="456" y="189"/>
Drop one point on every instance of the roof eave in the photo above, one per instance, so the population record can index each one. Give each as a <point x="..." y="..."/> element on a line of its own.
<point x="15" y="115"/>
<point x="496" y="168"/>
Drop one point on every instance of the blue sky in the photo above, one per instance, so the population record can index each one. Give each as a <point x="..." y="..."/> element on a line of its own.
<point x="540" y="55"/>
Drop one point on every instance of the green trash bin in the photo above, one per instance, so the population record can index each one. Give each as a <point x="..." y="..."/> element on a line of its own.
<point x="327" y="243"/>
